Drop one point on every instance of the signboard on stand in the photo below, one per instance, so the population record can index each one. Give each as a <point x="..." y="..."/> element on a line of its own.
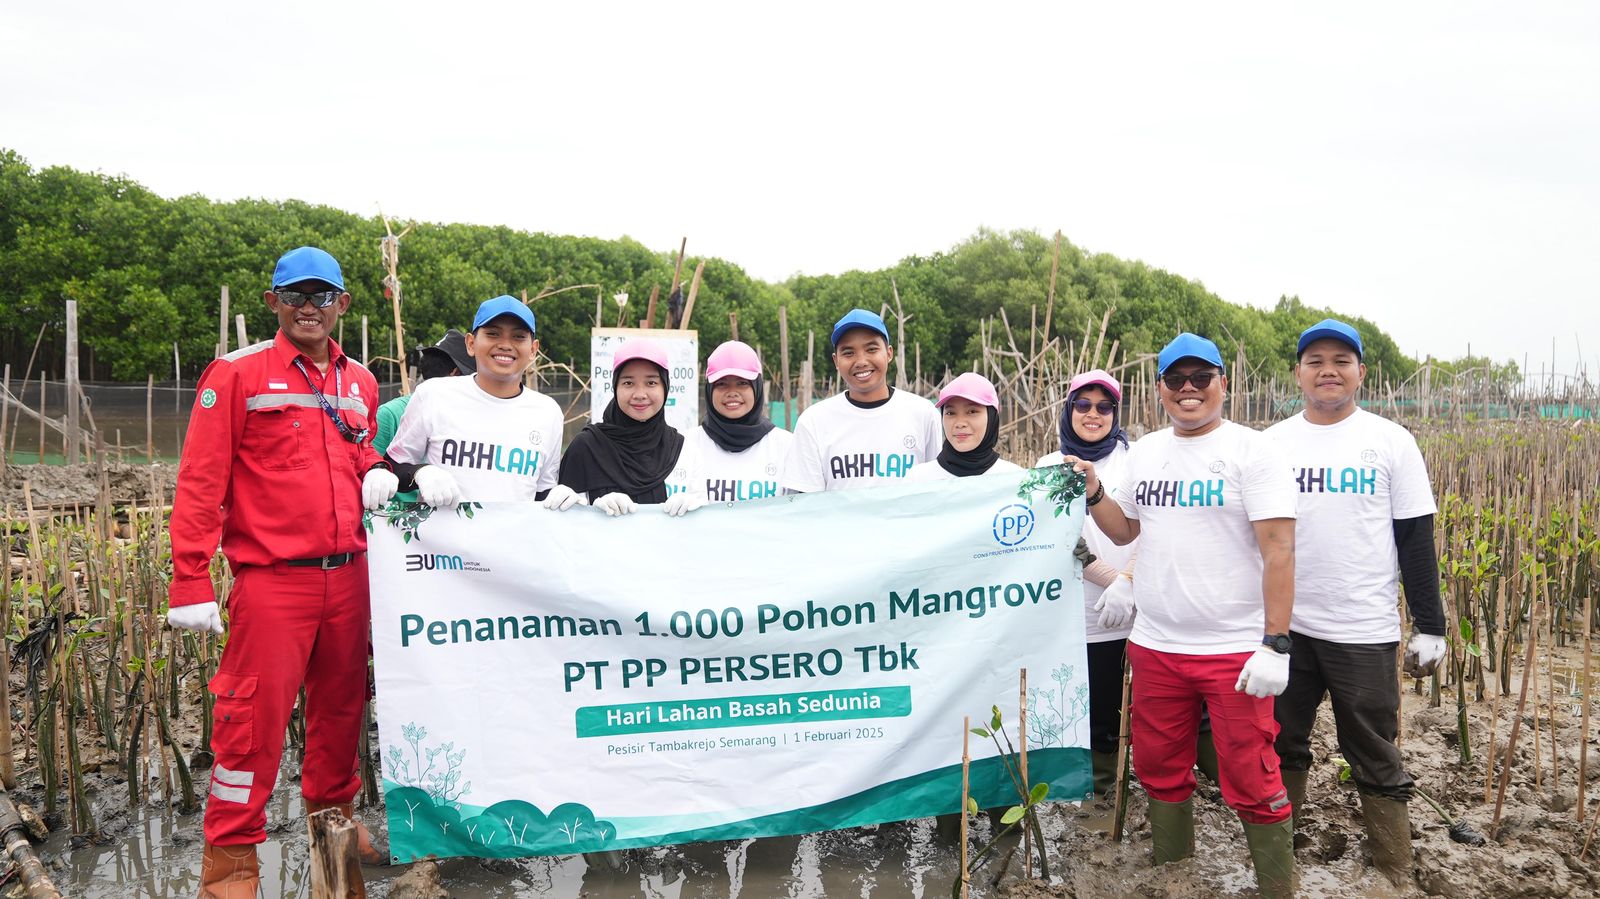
<point x="683" y="352"/>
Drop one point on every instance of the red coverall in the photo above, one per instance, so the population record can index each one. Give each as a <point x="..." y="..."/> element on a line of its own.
<point x="266" y="470"/>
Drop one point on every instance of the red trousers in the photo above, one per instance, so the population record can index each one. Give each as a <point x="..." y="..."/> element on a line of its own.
<point x="287" y="626"/>
<point x="1167" y="691"/>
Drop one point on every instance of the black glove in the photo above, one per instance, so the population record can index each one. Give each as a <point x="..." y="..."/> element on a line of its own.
<point x="1081" y="551"/>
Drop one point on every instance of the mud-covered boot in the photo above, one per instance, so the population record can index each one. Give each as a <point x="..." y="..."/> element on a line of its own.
<point x="1294" y="783"/>
<point x="229" y="872"/>
<point x="366" y="851"/>
<point x="1105" y="772"/>
<point x="1272" y="853"/>
<point x="1388" y="836"/>
<point x="1171" y="830"/>
<point x="1205" y="756"/>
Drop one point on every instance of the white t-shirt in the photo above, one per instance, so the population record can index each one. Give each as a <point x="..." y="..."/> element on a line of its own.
<point x="1111" y="470"/>
<point x="841" y="446"/>
<point x="724" y="477"/>
<point x="496" y="449"/>
<point x="1355" y="478"/>
<point x="931" y="470"/>
<point x="1197" y="583"/>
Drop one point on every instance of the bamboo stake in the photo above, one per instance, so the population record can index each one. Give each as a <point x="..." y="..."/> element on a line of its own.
<point x="1022" y="764"/>
<point x="5" y="421"/>
<point x="966" y="762"/>
<point x="650" y="310"/>
<point x="783" y="349"/>
<point x="150" y="418"/>
<point x="244" y="338"/>
<point x="364" y="354"/>
<point x="1119" y="806"/>
<point x="1583" y="727"/>
<point x="694" y="288"/>
<point x="222" y="325"/>
<point x="1516" y="723"/>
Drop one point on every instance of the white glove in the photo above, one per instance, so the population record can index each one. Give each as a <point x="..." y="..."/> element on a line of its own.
<point x="561" y="498"/>
<point x="616" y="504"/>
<point x="377" y="488"/>
<point x="1116" y="604"/>
<point x="1423" y="653"/>
<point x="682" y="503"/>
<point x="436" y="487"/>
<point x="200" y="617"/>
<point x="1265" y="673"/>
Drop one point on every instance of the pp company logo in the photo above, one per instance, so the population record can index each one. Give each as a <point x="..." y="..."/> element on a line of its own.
<point x="1012" y="524"/>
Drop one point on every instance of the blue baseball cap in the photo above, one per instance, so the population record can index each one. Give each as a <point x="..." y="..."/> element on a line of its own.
<point x="307" y="264"/>
<point x="490" y="310"/>
<point x="1330" y="327"/>
<point x="1188" y="346"/>
<point x="859" y="318"/>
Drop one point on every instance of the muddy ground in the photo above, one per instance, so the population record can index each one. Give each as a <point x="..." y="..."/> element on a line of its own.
<point x="59" y="487"/>
<point x="151" y="850"/>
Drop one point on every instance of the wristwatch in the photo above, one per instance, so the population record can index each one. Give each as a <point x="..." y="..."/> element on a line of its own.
<point x="1279" y="643"/>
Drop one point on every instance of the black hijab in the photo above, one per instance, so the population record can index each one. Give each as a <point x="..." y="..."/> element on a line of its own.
<point x="1073" y="445"/>
<point x="621" y="454"/>
<point x="735" y="435"/>
<point x="980" y="458"/>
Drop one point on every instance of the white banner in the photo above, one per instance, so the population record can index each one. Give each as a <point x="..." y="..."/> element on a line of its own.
<point x="683" y="387"/>
<point x="559" y="682"/>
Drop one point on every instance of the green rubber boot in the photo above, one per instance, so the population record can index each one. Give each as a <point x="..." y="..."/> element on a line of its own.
<point x="1294" y="783"/>
<point x="1105" y="772"/>
<point x="1205" y="756"/>
<point x="1388" y="836"/>
<point x="1272" y="853"/>
<point x="1171" y="830"/>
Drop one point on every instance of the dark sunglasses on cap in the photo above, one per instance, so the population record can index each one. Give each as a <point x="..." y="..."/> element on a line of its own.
<point x="1082" y="405"/>
<point x="1200" y="379"/>
<point x="322" y="299"/>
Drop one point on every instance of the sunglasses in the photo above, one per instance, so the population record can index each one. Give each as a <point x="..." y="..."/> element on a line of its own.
<point x="322" y="299"/>
<point x="1082" y="406"/>
<point x="1200" y="379"/>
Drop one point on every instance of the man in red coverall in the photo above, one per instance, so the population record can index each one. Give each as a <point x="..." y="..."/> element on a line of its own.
<point x="276" y="466"/>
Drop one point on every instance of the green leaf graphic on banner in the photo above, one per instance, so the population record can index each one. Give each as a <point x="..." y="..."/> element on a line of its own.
<point x="1060" y="484"/>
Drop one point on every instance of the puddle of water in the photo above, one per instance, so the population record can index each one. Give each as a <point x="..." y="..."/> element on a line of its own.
<point x="159" y="856"/>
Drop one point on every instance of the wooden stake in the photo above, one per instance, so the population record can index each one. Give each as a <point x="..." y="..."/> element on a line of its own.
<point x="364" y="356"/>
<point x="222" y="326"/>
<point x="73" y="433"/>
<point x="1119" y="804"/>
<point x="1022" y="764"/>
<point x="5" y="421"/>
<point x="966" y="762"/>
<point x="650" y="308"/>
<point x="335" y="868"/>
<point x="1583" y="728"/>
<point x="694" y="288"/>
<point x="733" y="324"/>
<point x="1516" y="723"/>
<point x="150" y="418"/>
<point x="244" y="338"/>
<point x="783" y="350"/>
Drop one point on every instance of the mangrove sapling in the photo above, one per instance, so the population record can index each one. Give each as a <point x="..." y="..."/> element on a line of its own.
<point x="1030" y="798"/>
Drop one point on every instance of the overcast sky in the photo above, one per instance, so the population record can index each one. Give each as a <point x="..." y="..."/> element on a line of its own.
<point x="1432" y="166"/>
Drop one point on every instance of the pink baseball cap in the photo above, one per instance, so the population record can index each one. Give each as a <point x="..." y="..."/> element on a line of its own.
<point x="639" y="348"/>
<point x="970" y="386"/>
<point x="733" y="359"/>
<point x="1099" y="377"/>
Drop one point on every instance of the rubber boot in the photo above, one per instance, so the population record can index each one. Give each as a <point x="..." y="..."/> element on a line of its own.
<point x="229" y="872"/>
<point x="1171" y="830"/>
<point x="1294" y="783"/>
<point x="1272" y="853"/>
<point x="365" y="850"/>
<point x="1388" y="836"/>
<point x="1205" y="756"/>
<point x="1105" y="772"/>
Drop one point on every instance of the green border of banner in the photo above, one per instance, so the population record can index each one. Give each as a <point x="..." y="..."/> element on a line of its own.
<point x="1066" y="769"/>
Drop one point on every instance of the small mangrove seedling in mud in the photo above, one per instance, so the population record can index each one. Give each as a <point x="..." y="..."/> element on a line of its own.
<point x="1025" y="813"/>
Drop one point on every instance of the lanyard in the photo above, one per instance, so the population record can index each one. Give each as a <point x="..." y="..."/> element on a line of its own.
<point x="338" y="390"/>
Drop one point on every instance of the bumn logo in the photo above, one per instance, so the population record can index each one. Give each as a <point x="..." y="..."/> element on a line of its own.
<point x="1012" y="524"/>
<point x="432" y="562"/>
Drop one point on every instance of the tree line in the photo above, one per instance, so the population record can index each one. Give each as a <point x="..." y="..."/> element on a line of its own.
<point x="146" y="270"/>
